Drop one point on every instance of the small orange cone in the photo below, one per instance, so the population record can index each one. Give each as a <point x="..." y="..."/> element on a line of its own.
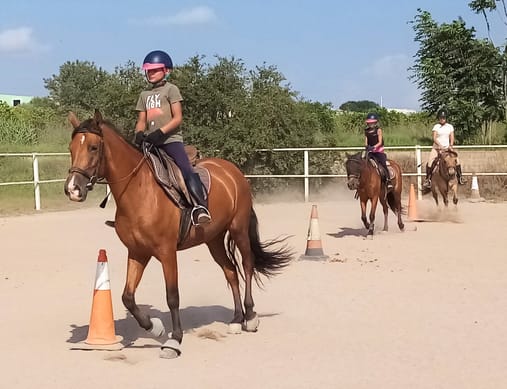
<point x="412" y="204"/>
<point x="314" y="249"/>
<point x="101" y="333"/>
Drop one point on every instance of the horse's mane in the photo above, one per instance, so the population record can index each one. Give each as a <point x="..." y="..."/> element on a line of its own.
<point x="91" y="125"/>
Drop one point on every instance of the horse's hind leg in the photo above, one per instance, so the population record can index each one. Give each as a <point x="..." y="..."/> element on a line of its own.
<point x="240" y="235"/>
<point x="217" y="250"/>
<point x="385" y="209"/>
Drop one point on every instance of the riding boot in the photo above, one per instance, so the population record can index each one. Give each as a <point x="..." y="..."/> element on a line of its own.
<point x="200" y="213"/>
<point x="427" y="180"/>
<point x="461" y="180"/>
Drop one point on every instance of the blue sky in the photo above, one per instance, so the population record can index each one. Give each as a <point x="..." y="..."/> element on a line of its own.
<point x="329" y="50"/>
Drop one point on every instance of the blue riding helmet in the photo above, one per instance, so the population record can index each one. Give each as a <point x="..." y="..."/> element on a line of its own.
<point x="157" y="59"/>
<point x="372" y="118"/>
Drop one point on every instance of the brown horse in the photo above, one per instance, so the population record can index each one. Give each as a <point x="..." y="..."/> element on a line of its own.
<point x="364" y="177"/>
<point x="147" y="223"/>
<point x="444" y="179"/>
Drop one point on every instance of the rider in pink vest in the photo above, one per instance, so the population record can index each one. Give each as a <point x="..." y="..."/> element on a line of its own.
<point x="374" y="144"/>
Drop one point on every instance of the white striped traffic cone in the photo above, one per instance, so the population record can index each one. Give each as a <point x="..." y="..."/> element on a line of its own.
<point x="314" y="249"/>
<point x="101" y="333"/>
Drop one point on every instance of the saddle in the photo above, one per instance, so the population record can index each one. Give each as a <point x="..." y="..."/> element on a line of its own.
<point x="169" y="177"/>
<point x="380" y="169"/>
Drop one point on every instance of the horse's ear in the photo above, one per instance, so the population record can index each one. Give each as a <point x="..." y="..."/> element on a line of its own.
<point x="73" y="120"/>
<point x="98" y="116"/>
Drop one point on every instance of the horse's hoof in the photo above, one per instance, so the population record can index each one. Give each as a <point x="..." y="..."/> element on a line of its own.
<point x="157" y="327"/>
<point x="252" y="324"/>
<point x="234" y="328"/>
<point x="170" y="349"/>
<point x="369" y="236"/>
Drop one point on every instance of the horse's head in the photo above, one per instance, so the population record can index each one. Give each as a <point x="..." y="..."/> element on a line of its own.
<point x="449" y="159"/>
<point x="86" y="151"/>
<point x="353" y="165"/>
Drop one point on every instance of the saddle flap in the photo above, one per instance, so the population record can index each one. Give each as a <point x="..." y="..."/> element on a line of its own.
<point x="169" y="177"/>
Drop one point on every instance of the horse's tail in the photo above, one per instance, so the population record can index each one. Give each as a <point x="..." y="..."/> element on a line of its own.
<point x="268" y="261"/>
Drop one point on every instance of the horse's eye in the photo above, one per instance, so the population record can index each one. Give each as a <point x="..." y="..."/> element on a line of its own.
<point x="93" y="148"/>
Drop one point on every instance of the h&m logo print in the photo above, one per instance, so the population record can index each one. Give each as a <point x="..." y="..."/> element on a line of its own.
<point x="153" y="101"/>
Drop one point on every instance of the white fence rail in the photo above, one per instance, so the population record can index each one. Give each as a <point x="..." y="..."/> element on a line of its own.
<point x="306" y="176"/>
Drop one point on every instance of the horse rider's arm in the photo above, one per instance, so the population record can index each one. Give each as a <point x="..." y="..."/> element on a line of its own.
<point x="177" y="118"/>
<point x="435" y="139"/>
<point x="380" y="138"/>
<point x="451" y="140"/>
<point x="141" y="121"/>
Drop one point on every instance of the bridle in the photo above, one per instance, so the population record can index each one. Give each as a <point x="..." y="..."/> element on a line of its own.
<point x="94" y="177"/>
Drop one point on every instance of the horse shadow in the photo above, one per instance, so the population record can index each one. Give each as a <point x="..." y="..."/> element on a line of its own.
<point x="345" y="231"/>
<point x="191" y="317"/>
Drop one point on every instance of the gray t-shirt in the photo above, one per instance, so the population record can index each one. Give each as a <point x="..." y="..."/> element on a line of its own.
<point x="156" y="103"/>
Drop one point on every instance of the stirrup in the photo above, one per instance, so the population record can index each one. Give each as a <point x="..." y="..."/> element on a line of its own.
<point x="427" y="183"/>
<point x="462" y="181"/>
<point x="389" y="185"/>
<point x="203" y="215"/>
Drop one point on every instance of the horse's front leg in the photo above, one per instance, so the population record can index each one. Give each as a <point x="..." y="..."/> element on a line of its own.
<point x="363" y="214"/>
<point x="454" y="189"/>
<point x="446" y="198"/>
<point x="373" y="210"/>
<point x="135" y="269"/>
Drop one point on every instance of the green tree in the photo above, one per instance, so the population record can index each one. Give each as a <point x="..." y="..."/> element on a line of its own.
<point x="459" y="72"/>
<point x="359" y="106"/>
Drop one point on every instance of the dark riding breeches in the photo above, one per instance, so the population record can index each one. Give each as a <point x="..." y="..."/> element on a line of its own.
<point x="381" y="158"/>
<point x="176" y="151"/>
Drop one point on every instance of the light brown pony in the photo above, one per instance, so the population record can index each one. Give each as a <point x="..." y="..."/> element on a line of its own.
<point x="363" y="177"/>
<point x="147" y="223"/>
<point x="444" y="180"/>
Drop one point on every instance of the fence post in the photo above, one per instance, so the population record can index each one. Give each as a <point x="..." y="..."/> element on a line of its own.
<point x="36" y="183"/>
<point x="418" y="158"/>
<point x="307" y="179"/>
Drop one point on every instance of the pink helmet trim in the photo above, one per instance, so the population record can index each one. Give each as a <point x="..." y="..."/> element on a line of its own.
<point x="371" y="121"/>
<point x="150" y="66"/>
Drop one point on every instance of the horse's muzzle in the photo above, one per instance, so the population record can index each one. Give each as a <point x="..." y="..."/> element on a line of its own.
<point x="74" y="189"/>
<point x="353" y="183"/>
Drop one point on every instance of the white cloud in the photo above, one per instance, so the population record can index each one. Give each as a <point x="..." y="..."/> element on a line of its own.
<point x="196" y="15"/>
<point x="18" y="40"/>
<point x="389" y="66"/>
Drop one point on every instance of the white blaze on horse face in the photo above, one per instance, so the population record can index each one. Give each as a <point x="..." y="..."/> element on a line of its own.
<point x="74" y="193"/>
<point x="82" y="139"/>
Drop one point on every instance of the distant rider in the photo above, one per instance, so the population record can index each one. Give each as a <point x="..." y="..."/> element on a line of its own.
<point x="443" y="139"/>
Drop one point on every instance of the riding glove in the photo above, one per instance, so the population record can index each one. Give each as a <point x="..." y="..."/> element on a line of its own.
<point x="139" y="138"/>
<point x="157" y="138"/>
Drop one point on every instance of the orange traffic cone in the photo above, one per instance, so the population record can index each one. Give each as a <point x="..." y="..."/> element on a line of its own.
<point x="101" y="333"/>
<point x="314" y="249"/>
<point x="412" y="204"/>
